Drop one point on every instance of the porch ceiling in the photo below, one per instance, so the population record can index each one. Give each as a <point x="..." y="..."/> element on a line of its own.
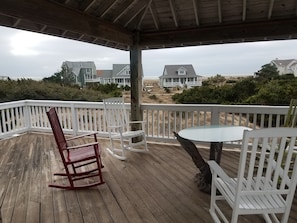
<point x="154" y="23"/>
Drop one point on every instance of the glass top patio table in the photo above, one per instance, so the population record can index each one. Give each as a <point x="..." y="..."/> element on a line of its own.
<point x="213" y="133"/>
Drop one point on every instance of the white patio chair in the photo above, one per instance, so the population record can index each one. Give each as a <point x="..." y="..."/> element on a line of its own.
<point x="267" y="188"/>
<point x="291" y="117"/>
<point x="120" y="128"/>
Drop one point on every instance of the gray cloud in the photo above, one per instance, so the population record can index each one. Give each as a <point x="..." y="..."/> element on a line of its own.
<point x="44" y="56"/>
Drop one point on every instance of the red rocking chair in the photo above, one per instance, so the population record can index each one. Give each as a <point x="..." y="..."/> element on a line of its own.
<point x="76" y="158"/>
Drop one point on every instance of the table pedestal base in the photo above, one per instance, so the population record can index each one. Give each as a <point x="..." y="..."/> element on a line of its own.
<point x="203" y="179"/>
<point x="215" y="151"/>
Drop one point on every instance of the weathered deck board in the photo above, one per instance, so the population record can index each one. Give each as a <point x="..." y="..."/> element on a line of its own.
<point x="154" y="187"/>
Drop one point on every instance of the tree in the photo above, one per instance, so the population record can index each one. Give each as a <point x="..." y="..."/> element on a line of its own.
<point x="267" y="72"/>
<point x="63" y="77"/>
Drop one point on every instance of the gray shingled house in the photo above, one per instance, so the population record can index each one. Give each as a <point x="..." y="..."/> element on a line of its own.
<point x="183" y="76"/>
<point x="82" y="71"/>
<point x="85" y="72"/>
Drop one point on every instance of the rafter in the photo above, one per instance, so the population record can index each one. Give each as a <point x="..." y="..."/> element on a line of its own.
<point x="125" y="11"/>
<point x="89" y="6"/>
<point x="43" y="28"/>
<point x="108" y="8"/>
<point x="270" y="9"/>
<point x="172" y="8"/>
<point x="133" y="17"/>
<point x="195" y="8"/>
<point x="144" y="14"/>
<point x="81" y="37"/>
<point x="17" y="22"/>
<point x="219" y="11"/>
<point x="243" y="10"/>
<point x="64" y="33"/>
<point x="155" y="17"/>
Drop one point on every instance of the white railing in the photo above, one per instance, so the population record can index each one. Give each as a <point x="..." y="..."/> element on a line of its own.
<point x="162" y="119"/>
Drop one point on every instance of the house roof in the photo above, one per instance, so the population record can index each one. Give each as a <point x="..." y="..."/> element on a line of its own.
<point x="103" y="73"/>
<point x="170" y="71"/>
<point x="76" y="66"/>
<point x="283" y="63"/>
<point x="118" y="68"/>
<point x="152" y="24"/>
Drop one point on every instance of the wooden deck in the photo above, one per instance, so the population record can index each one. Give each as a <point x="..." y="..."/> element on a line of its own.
<point x="154" y="187"/>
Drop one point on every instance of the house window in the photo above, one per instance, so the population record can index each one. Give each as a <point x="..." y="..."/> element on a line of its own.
<point x="128" y="72"/>
<point x="182" y="71"/>
<point x="88" y="76"/>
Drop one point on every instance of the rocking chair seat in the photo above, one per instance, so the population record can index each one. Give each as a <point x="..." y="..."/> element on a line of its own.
<point x="128" y="134"/>
<point x="86" y="152"/>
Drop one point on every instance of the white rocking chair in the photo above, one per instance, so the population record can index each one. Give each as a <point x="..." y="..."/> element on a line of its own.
<point x="120" y="128"/>
<point x="267" y="188"/>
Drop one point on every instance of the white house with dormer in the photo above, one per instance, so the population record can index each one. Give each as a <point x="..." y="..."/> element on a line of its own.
<point x="120" y="75"/>
<point x="286" y="66"/>
<point x="183" y="76"/>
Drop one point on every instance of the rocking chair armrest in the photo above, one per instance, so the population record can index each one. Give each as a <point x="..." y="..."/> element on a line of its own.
<point x="217" y="170"/>
<point x="115" y="126"/>
<point x="135" y="122"/>
<point x="81" y="136"/>
<point x="82" y="145"/>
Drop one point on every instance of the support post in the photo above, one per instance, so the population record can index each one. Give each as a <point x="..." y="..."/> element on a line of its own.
<point x="136" y="83"/>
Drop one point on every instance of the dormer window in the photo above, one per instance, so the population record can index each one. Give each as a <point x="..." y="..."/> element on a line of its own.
<point x="182" y="71"/>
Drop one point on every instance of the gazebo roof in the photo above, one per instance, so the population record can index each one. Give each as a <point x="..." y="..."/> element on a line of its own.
<point x="154" y="24"/>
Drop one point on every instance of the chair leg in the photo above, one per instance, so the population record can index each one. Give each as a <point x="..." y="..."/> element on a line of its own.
<point x="77" y="176"/>
<point x="118" y="153"/>
<point x="143" y="142"/>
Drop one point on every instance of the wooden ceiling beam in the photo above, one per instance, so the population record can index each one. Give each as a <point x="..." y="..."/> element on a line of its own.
<point x="133" y="17"/>
<point x="109" y="8"/>
<point x="125" y="10"/>
<point x="89" y="5"/>
<point x="155" y="17"/>
<point x="221" y="34"/>
<point x="144" y="13"/>
<point x="195" y="8"/>
<point x="243" y="10"/>
<point x="172" y="8"/>
<point x="220" y="11"/>
<point x="271" y="4"/>
<point x="52" y="14"/>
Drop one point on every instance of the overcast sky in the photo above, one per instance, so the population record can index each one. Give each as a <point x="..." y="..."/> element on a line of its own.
<point x="30" y="55"/>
